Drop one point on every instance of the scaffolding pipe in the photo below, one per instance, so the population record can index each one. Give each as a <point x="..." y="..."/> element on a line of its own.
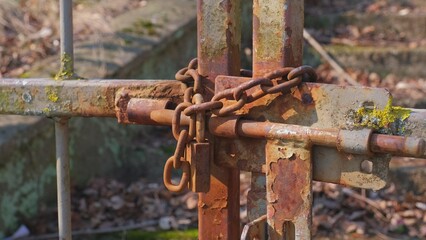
<point x="61" y="126"/>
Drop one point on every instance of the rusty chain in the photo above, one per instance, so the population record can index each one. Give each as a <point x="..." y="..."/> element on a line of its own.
<point x="196" y="127"/>
<point x="281" y="80"/>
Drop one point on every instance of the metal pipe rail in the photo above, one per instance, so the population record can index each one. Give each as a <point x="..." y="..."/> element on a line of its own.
<point x="232" y="127"/>
<point x="378" y="143"/>
<point x="86" y="98"/>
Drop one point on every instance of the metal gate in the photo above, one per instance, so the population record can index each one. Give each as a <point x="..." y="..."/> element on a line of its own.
<point x="274" y="122"/>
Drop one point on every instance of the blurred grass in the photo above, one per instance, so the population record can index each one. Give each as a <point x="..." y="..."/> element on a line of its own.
<point x="191" y="234"/>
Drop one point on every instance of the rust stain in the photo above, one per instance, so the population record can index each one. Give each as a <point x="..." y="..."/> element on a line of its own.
<point x="289" y="179"/>
<point x="289" y="204"/>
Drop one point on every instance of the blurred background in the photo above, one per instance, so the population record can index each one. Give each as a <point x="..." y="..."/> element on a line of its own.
<point x="117" y="186"/>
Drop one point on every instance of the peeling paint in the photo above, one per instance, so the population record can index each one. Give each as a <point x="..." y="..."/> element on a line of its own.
<point x="288" y="187"/>
<point x="268" y="21"/>
<point x="214" y="43"/>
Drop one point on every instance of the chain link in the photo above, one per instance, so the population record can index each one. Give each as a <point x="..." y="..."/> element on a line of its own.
<point x="196" y="129"/>
<point x="167" y="176"/>
<point x="281" y="80"/>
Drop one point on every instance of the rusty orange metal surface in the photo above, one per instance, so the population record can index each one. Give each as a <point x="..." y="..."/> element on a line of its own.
<point x="156" y="117"/>
<point x="219" y="37"/>
<point x="255" y="229"/>
<point x="140" y="110"/>
<point x="224" y="126"/>
<point x="198" y="156"/>
<point x="167" y="176"/>
<point x="288" y="187"/>
<point x="277" y="43"/>
<point x="396" y="145"/>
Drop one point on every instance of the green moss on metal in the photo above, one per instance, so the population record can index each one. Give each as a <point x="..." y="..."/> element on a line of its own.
<point x="66" y="71"/>
<point x="52" y="94"/>
<point x="19" y="104"/>
<point x="389" y="120"/>
<point x="4" y="99"/>
<point x="9" y="101"/>
<point x="24" y="75"/>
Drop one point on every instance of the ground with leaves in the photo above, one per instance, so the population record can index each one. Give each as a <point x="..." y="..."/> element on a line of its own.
<point x="339" y="212"/>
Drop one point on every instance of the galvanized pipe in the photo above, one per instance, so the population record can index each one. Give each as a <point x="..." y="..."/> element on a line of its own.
<point x="63" y="178"/>
<point x="61" y="126"/>
<point x="66" y="30"/>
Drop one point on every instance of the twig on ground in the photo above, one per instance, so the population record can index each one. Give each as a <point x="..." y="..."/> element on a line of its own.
<point x="329" y="59"/>
<point x="374" y="206"/>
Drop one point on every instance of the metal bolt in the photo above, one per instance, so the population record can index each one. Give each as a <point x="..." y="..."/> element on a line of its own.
<point x="367" y="166"/>
<point x="26" y="96"/>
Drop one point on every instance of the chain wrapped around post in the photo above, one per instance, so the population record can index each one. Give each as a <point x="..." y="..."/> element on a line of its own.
<point x="281" y="80"/>
<point x="184" y="136"/>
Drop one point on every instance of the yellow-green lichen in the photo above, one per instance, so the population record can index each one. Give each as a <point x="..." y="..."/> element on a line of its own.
<point x="52" y="94"/>
<point x="66" y="71"/>
<point x="46" y="111"/>
<point x="4" y="98"/>
<point x="389" y="120"/>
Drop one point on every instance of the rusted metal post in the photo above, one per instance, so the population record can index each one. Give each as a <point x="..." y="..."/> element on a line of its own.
<point x="277" y="42"/>
<point x="218" y="53"/>
<point x="61" y="125"/>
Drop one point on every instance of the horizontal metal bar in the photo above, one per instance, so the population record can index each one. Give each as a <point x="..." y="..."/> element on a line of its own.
<point x="87" y="98"/>
<point x="322" y="137"/>
<point x="380" y="143"/>
<point x="330" y="137"/>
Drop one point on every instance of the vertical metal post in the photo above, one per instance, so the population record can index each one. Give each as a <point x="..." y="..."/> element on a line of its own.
<point x="63" y="179"/>
<point x="219" y="37"/>
<point x="61" y="125"/>
<point x="66" y="28"/>
<point x="277" y="42"/>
